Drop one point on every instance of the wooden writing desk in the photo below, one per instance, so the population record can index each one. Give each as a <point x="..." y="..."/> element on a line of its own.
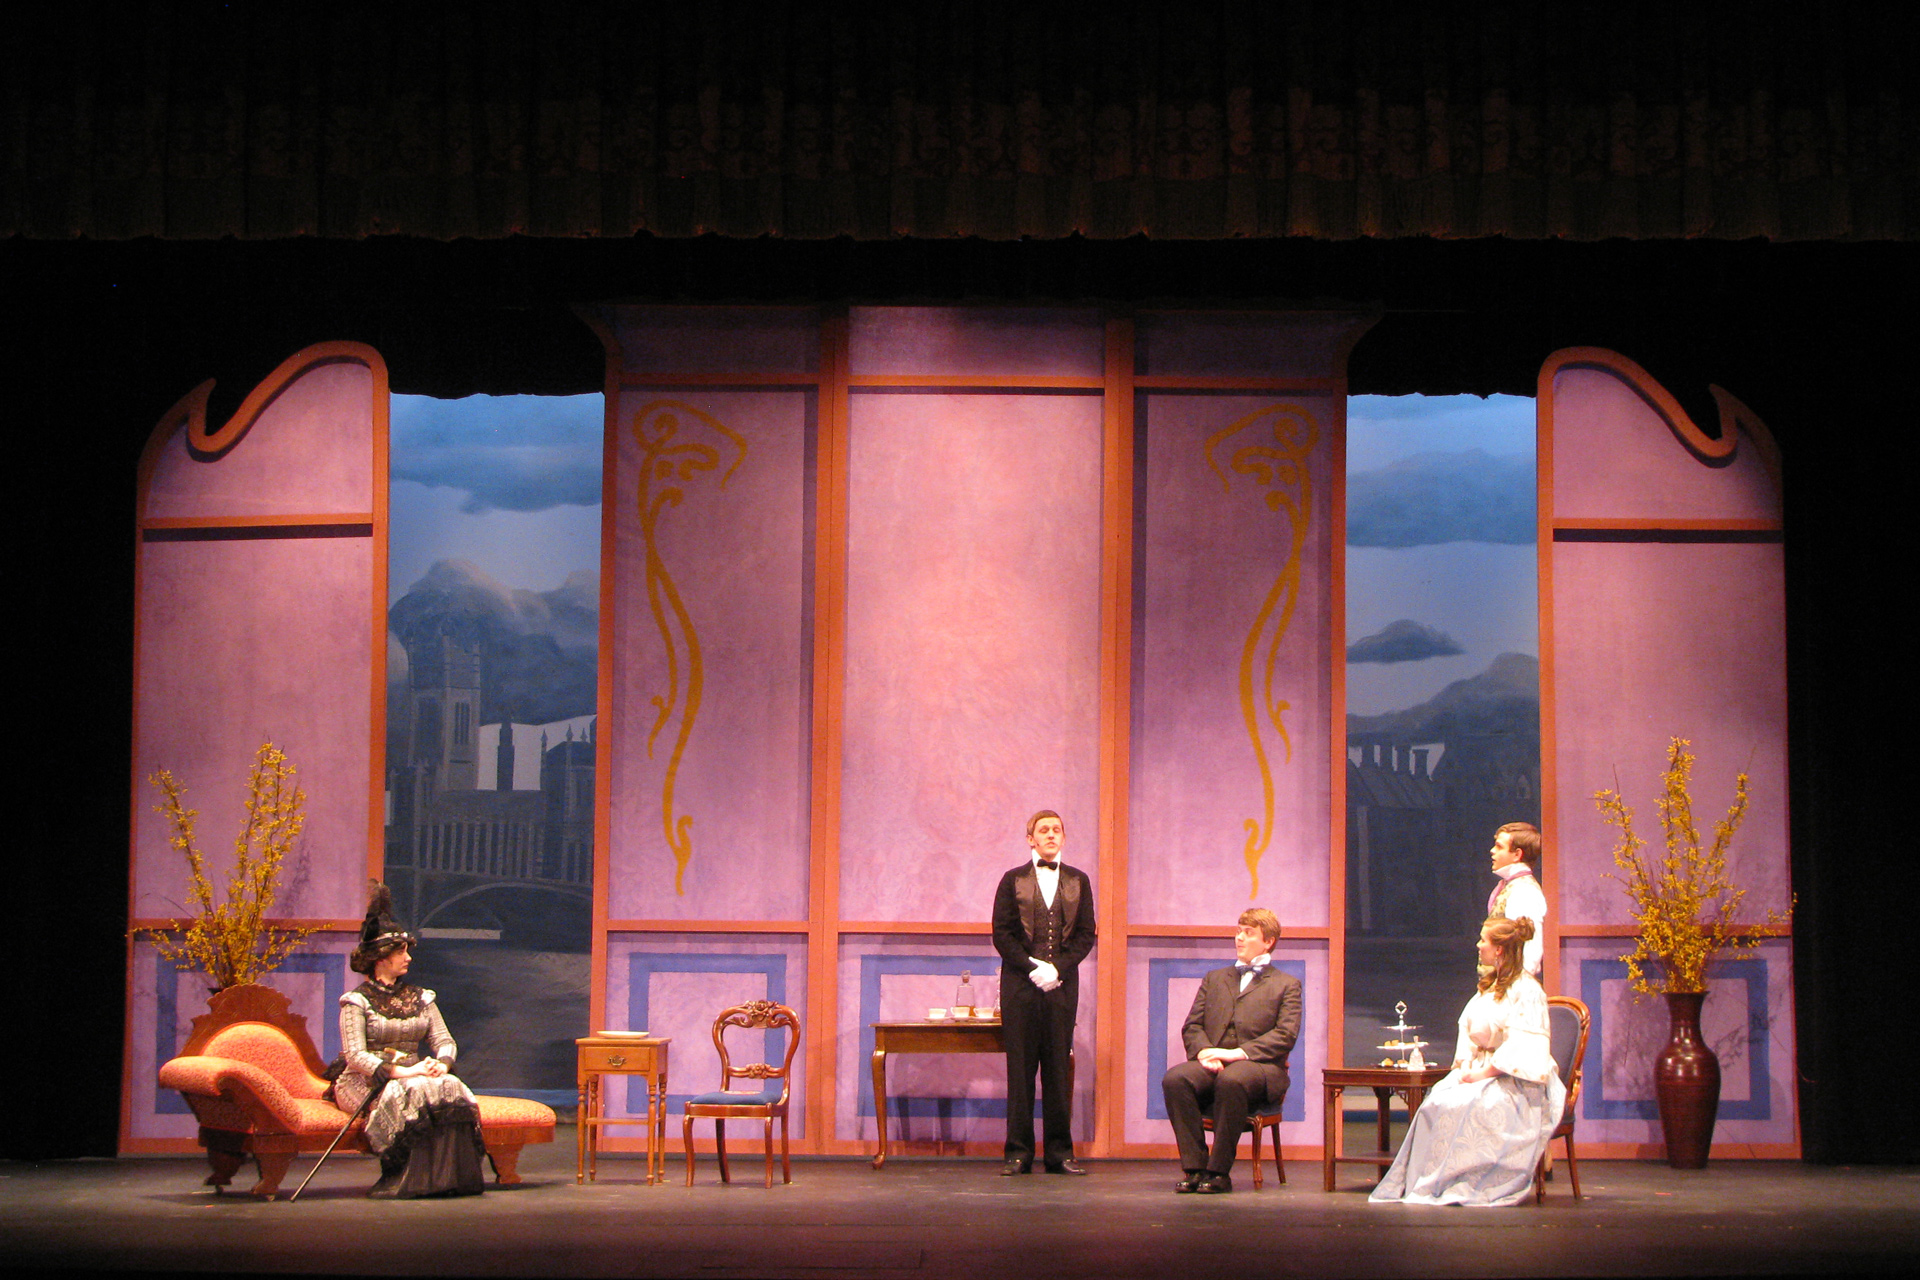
<point x="621" y="1056"/>
<point x="1385" y="1082"/>
<point x="930" y="1037"/>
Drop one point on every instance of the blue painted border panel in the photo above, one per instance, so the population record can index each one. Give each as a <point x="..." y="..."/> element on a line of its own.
<point x="1757" y="1105"/>
<point x="642" y="965"/>
<point x="872" y="969"/>
<point x="1161" y="971"/>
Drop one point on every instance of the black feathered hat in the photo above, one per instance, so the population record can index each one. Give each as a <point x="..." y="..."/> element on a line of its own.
<point x="380" y="934"/>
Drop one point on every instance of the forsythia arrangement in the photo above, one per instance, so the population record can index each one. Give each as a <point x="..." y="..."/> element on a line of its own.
<point x="231" y="941"/>
<point x="1683" y="903"/>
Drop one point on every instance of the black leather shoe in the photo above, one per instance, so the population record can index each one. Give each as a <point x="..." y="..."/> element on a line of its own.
<point x="1013" y="1167"/>
<point x="1214" y="1184"/>
<point x="1068" y="1166"/>
<point x="1190" y="1183"/>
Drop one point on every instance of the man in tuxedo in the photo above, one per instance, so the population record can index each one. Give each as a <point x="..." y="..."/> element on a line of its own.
<point x="1042" y="928"/>
<point x="1243" y="1023"/>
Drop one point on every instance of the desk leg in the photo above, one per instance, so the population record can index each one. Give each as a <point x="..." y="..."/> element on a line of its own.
<point x="591" y="1136"/>
<point x="880" y="1103"/>
<point x="1383" y="1103"/>
<point x="657" y="1131"/>
<point x="580" y="1137"/>
<point x="1329" y="1133"/>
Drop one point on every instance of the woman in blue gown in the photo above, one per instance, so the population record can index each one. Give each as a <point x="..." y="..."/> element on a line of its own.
<point x="1481" y="1131"/>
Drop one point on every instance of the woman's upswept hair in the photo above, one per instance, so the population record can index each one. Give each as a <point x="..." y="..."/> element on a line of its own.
<point x="1511" y="936"/>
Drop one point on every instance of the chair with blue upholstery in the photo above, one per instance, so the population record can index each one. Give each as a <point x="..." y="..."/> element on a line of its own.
<point x="1568" y="1021"/>
<point x="764" y="1103"/>
<point x="1263" y="1117"/>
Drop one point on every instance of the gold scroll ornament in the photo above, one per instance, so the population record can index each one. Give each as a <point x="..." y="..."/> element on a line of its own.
<point x="1281" y="469"/>
<point x="667" y="464"/>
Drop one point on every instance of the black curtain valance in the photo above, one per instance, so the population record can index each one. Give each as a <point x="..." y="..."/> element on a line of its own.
<point x="1327" y="118"/>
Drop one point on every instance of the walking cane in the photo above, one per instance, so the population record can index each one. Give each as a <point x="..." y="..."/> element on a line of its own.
<point x="364" y="1104"/>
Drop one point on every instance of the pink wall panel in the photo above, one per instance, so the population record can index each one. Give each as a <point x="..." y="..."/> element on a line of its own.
<point x="310" y="451"/>
<point x="733" y="554"/>
<point x="1747" y="1020"/>
<point x="164" y="1002"/>
<point x="1179" y="964"/>
<point x="972" y="645"/>
<point x="1613" y="456"/>
<point x="934" y="1097"/>
<point x="716" y="339"/>
<point x="241" y="641"/>
<point x="1660" y="640"/>
<point x="979" y="341"/>
<point x="1262" y="345"/>
<point x="682" y="981"/>
<point x="1212" y="552"/>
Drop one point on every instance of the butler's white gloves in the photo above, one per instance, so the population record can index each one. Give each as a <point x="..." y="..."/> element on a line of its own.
<point x="1044" y="975"/>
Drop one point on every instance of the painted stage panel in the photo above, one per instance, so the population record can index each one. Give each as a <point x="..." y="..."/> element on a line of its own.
<point x="941" y="1098"/>
<point x="1232" y="635"/>
<point x="972" y="649"/>
<point x="1615" y="457"/>
<point x="241" y="642"/>
<point x="1162" y="976"/>
<point x="1245" y="344"/>
<point x="712" y="677"/>
<point x="165" y="1001"/>
<point x="1747" y="1021"/>
<point x="675" y="985"/>
<point x="715" y="339"/>
<point x="309" y="452"/>
<point x="975" y="341"/>
<point x="1669" y="640"/>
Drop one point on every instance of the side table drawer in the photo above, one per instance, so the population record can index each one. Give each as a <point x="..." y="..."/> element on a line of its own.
<point x="636" y="1058"/>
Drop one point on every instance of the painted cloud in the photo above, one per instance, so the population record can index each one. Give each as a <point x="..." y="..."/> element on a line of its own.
<point x="1473" y="496"/>
<point x="1403" y="641"/>
<point x="514" y="453"/>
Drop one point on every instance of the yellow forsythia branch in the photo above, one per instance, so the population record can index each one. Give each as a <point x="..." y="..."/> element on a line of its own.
<point x="1683" y="903"/>
<point x="231" y="941"/>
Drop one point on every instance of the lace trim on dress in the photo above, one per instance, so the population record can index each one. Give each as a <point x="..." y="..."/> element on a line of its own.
<point x="401" y="1000"/>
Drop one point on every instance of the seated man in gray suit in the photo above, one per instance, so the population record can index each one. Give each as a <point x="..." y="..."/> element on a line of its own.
<point x="1244" y="1021"/>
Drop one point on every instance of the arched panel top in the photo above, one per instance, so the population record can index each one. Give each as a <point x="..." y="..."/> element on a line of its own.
<point x="300" y="444"/>
<point x="1615" y="445"/>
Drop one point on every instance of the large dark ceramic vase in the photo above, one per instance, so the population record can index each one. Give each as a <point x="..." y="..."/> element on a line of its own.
<point x="1686" y="1080"/>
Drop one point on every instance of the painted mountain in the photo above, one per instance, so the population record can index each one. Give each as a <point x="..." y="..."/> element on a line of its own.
<point x="539" y="646"/>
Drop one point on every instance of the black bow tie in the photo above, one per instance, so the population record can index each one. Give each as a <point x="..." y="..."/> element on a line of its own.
<point x="1047" y="866"/>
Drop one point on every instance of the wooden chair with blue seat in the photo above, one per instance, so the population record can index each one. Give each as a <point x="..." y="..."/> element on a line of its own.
<point x="764" y="1104"/>
<point x="1263" y="1117"/>
<point x="1568" y="1021"/>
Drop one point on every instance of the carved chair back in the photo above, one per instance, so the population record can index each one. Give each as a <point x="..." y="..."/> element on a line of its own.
<point x="762" y="1015"/>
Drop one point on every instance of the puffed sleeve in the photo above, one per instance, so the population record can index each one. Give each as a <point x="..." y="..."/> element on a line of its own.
<point x="1526" y="1051"/>
<point x="1463" y="1046"/>
<point x="439" y="1039"/>
<point x="353" y="1035"/>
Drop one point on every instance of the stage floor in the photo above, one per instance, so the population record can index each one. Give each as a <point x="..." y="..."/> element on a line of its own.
<point x="951" y="1218"/>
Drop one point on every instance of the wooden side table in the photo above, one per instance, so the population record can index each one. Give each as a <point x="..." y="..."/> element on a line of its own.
<point x="1385" y="1082"/>
<point x="931" y="1037"/>
<point x="602" y="1056"/>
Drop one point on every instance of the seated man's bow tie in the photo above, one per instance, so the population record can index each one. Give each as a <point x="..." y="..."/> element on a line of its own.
<point x="1250" y="966"/>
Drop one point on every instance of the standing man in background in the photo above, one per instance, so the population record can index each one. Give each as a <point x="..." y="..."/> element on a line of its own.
<point x="1518" y="896"/>
<point x="1043" y="928"/>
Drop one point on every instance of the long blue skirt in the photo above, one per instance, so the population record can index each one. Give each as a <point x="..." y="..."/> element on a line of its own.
<point x="1474" y="1144"/>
